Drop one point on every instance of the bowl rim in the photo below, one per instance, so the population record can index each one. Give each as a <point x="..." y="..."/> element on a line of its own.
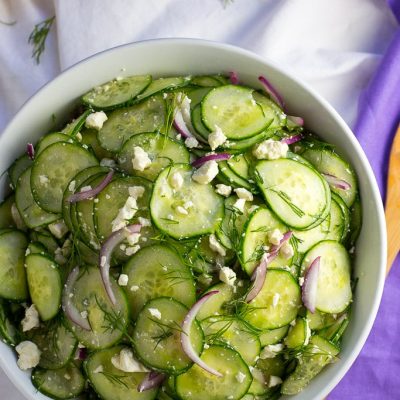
<point x="371" y="181"/>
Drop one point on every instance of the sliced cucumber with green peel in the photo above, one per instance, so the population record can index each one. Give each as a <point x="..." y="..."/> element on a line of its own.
<point x="227" y="175"/>
<point x="296" y="193"/>
<point x="273" y="366"/>
<point x="161" y="150"/>
<point x="147" y="116"/>
<point x="90" y="139"/>
<point x="235" y="333"/>
<point x="30" y="212"/>
<point x="13" y="284"/>
<point x="273" y="336"/>
<point x="52" y="171"/>
<point x="108" y="323"/>
<point x="197" y="122"/>
<point x="111" y="383"/>
<point x="196" y="96"/>
<point x="261" y="223"/>
<point x="44" y="282"/>
<point x="299" y="334"/>
<point x="6" y="218"/>
<point x="8" y="330"/>
<point x="163" y="84"/>
<point x="320" y="353"/>
<point x="157" y="271"/>
<point x="339" y="221"/>
<point x="157" y="336"/>
<point x="205" y="81"/>
<point x="45" y="238"/>
<point x="64" y="383"/>
<point x="234" y="109"/>
<point x="18" y="167"/>
<point x="265" y="313"/>
<point x="72" y="128"/>
<point x="50" y="139"/>
<point x="239" y="165"/>
<point x="194" y="383"/>
<point x="319" y="320"/>
<point x="203" y="216"/>
<point x="355" y="223"/>
<point x="117" y="92"/>
<point x="334" y="281"/>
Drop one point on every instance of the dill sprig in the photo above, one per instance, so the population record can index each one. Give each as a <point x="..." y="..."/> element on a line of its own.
<point x="166" y="331"/>
<point x="38" y="37"/>
<point x="116" y="379"/>
<point x="285" y="198"/>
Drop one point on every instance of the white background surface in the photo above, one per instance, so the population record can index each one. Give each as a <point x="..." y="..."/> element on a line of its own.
<point x="335" y="45"/>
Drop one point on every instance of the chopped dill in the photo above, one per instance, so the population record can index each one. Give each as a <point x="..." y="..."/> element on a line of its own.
<point x="285" y="198"/>
<point x="116" y="379"/>
<point x="38" y="37"/>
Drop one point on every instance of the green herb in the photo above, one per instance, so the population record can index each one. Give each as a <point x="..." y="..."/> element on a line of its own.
<point x="38" y="37"/>
<point x="298" y="211"/>
<point x="116" y="379"/>
<point x="170" y="221"/>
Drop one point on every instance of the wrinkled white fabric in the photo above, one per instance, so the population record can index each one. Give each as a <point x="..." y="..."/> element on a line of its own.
<point x="334" y="45"/>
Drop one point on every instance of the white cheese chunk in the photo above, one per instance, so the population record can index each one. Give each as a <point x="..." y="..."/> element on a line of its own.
<point x="181" y="210"/>
<point x="29" y="355"/>
<point x="243" y="193"/>
<point x="206" y="173"/>
<point x="287" y="250"/>
<point x="124" y="361"/>
<point x="176" y="180"/>
<point x="270" y="150"/>
<point x="136" y="191"/>
<point x="130" y="251"/>
<point x="123" y="280"/>
<point x="240" y="376"/>
<point x="191" y="142"/>
<point x="31" y="319"/>
<point x="216" y="246"/>
<point x="216" y="138"/>
<point x="125" y="213"/>
<point x="58" y="229"/>
<point x="108" y="162"/>
<point x="227" y="276"/>
<point x="144" y="221"/>
<point x="44" y="180"/>
<point x="155" y="312"/>
<point x="275" y="299"/>
<point x="223" y="190"/>
<point x="239" y="205"/>
<point x="71" y="186"/>
<point x="274" y="381"/>
<point x="140" y="160"/>
<point x="275" y="236"/>
<point x="271" y="351"/>
<point x="96" y="120"/>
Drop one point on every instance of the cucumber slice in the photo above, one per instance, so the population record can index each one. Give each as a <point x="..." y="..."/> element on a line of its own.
<point x="240" y="166"/>
<point x="339" y="221"/>
<point x="335" y="331"/>
<point x="52" y="171"/>
<point x="46" y="239"/>
<point x="162" y="151"/>
<point x="215" y="304"/>
<point x="261" y="222"/>
<point x="17" y="168"/>
<point x="328" y="162"/>
<point x="32" y="215"/>
<point x="157" y="336"/>
<point x="90" y="139"/>
<point x="204" y="215"/>
<point x="50" y="139"/>
<point x="36" y="248"/>
<point x="296" y="193"/>
<point x="112" y="199"/>
<point x="334" y="282"/>
<point x="205" y="81"/>
<point x="147" y="116"/>
<point x="44" y="283"/>
<point x="157" y="271"/>
<point x="234" y="109"/>
<point x="110" y="383"/>
<point x="235" y="333"/>
<point x="232" y="178"/>
<point x="197" y="122"/>
<point x="63" y="383"/>
<point x="245" y="144"/>
<point x="193" y="384"/>
<point x="273" y="336"/>
<point x="273" y="366"/>
<point x="76" y="124"/>
<point x="108" y="322"/>
<point x="196" y="96"/>
<point x="320" y="353"/>
<point x="13" y="283"/>
<point x="163" y="84"/>
<point x="8" y="331"/>
<point x="261" y="312"/>
<point x="355" y="223"/>
<point x="345" y="217"/>
<point x="318" y="320"/>
<point x="117" y="92"/>
<point x="298" y="335"/>
<point x="56" y="343"/>
<point x="6" y="219"/>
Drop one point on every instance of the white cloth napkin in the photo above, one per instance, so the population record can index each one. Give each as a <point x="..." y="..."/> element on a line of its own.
<point x="334" y="45"/>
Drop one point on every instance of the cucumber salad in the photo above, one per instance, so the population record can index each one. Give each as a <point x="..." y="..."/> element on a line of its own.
<point x="179" y="238"/>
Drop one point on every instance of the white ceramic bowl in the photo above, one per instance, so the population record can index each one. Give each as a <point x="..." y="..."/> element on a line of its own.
<point x="186" y="56"/>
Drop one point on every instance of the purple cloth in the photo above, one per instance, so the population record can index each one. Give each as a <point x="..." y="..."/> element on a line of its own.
<point x="376" y="372"/>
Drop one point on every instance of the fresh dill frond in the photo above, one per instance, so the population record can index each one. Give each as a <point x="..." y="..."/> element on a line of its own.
<point x="170" y="221"/>
<point x="38" y="37"/>
<point x="285" y="198"/>
<point x="116" y="379"/>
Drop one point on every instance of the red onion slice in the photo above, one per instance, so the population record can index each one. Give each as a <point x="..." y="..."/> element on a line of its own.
<point x="336" y="182"/>
<point x="185" y="335"/>
<point x="81" y="353"/>
<point x="69" y="309"/>
<point x="87" y="194"/>
<point x="234" y="78"/>
<point x="310" y="285"/>
<point x="275" y="248"/>
<point x="30" y="150"/>
<point x="271" y="91"/>
<point x="211" y="157"/>
<point x="105" y="255"/>
<point x="296" y="120"/>
<point x="152" y="380"/>
<point x="292" y="139"/>
<point x="258" y="277"/>
<point x="180" y="125"/>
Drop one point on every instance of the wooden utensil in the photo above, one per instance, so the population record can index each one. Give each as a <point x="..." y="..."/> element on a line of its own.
<point x="392" y="208"/>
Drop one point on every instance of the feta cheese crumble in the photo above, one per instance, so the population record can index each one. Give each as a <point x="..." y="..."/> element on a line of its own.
<point x="243" y="193"/>
<point x="274" y="381"/>
<point x="96" y="120"/>
<point x="31" y="319"/>
<point x="176" y="180"/>
<point x="58" y="229"/>
<point x="29" y="355"/>
<point x="44" y="180"/>
<point x="275" y="299"/>
<point x="191" y="142"/>
<point x="223" y="190"/>
<point x="275" y="236"/>
<point x="270" y="150"/>
<point x="181" y="210"/>
<point x="206" y="173"/>
<point x="123" y="280"/>
<point x="107" y="162"/>
<point x="140" y="160"/>
<point x="216" y="246"/>
<point x="239" y="205"/>
<point x="124" y="361"/>
<point x="227" y="276"/>
<point x="125" y="213"/>
<point x="136" y="191"/>
<point x="155" y="312"/>
<point x="216" y="138"/>
<point x="240" y="376"/>
<point x="144" y="221"/>
<point x="287" y="250"/>
<point x="271" y="351"/>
